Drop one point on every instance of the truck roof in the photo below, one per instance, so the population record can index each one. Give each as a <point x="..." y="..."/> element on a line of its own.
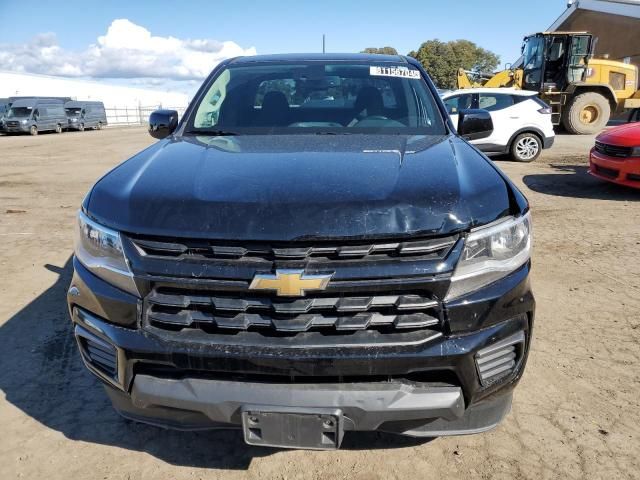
<point x="33" y="97"/>
<point x="562" y="32"/>
<point x="81" y="103"/>
<point x="338" y="57"/>
<point x="32" y="102"/>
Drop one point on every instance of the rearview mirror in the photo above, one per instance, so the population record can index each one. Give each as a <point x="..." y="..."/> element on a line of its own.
<point x="162" y="123"/>
<point x="474" y="124"/>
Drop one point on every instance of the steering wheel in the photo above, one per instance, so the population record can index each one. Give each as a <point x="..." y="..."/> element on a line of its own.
<point x="377" y="121"/>
<point x="362" y="118"/>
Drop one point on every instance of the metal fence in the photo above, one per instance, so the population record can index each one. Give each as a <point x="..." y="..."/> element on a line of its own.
<point x="121" y="116"/>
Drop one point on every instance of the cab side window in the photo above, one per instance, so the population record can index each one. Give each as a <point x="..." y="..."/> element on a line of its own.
<point x="493" y="102"/>
<point x="457" y="103"/>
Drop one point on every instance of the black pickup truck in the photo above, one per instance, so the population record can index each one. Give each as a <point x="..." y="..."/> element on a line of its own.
<point x="312" y="249"/>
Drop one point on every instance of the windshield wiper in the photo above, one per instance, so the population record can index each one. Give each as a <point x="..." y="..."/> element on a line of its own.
<point x="332" y="133"/>
<point x="213" y="132"/>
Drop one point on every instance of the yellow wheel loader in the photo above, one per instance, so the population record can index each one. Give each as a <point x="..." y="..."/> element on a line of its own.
<point x="582" y="91"/>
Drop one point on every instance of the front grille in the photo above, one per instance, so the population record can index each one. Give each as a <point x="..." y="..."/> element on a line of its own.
<point x="500" y="359"/>
<point x="180" y="248"/>
<point x="613" y="150"/>
<point x="176" y="309"/>
<point x="383" y="292"/>
<point x="607" y="172"/>
<point x="12" y="124"/>
<point x="434" y="377"/>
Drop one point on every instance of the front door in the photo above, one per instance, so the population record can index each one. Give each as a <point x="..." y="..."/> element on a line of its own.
<point x="579" y="55"/>
<point x="505" y="118"/>
<point x="456" y="103"/>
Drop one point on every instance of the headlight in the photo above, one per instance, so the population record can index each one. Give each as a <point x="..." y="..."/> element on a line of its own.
<point x="100" y="250"/>
<point x="635" y="152"/>
<point x="23" y="122"/>
<point x="491" y="253"/>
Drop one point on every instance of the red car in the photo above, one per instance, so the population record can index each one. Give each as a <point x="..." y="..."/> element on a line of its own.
<point x="616" y="155"/>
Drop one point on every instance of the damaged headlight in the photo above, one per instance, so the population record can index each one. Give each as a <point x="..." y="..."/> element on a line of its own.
<point x="99" y="249"/>
<point x="491" y="253"/>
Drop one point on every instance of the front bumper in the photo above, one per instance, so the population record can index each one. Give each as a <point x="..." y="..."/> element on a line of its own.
<point x="623" y="171"/>
<point x="428" y="389"/>
<point x="16" y="129"/>
<point x="199" y="404"/>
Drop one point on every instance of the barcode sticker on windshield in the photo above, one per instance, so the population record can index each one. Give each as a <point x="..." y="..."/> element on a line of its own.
<point x="402" y="72"/>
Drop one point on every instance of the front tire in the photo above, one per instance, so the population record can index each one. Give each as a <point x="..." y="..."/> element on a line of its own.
<point x="58" y="128"/>
<point x="81" y="127"/>
<point x="526" y="147"/>
<point x="33" y="130"/>
<point x="586" y="114"/>
<point x="99" y="125"/>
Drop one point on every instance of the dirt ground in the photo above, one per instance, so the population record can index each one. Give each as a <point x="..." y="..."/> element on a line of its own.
<point x="576" y="413"/>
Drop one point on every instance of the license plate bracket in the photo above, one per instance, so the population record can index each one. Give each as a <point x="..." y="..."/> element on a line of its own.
<point x="313" y="428"/>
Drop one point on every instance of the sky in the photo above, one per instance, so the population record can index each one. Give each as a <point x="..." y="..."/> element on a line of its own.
<point x="174" y="45"/>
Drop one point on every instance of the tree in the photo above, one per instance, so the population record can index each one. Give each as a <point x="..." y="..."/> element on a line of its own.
<point x="381" y="51"/>
<point x="442" y="60"/>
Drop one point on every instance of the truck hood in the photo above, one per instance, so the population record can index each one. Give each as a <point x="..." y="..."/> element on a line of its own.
<point x="288" y="187"/>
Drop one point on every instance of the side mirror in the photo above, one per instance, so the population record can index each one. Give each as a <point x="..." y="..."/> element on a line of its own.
<point x="474" y="124"/>
<point x="162" y="123"/>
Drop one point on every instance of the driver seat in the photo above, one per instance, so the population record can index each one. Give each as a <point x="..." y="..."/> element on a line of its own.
<point x="368" y="103"/>
<point x="275" y="110"/>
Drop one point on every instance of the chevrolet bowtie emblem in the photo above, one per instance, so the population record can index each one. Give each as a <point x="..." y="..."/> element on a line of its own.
<point x="290" y="283"/>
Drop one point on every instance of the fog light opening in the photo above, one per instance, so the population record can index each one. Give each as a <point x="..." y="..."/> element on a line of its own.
<point x="100" y="356"/>
<point x="500" y="359"/>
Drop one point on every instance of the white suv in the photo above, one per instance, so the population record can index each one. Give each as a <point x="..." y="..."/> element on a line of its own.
<point x="521" y="121"/>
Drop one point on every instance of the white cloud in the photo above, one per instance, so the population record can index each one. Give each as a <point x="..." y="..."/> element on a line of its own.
<point x="126" y="50"/>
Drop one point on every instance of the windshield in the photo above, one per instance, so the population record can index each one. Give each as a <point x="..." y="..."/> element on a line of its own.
<point x="533" y="53"/>
<point x="74" y="112"/>
<point x="19" y="112"/>
<point x="317" y="97"/>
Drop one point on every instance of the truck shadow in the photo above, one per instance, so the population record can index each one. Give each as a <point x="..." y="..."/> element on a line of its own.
<point x="575" y="181"/>
<point x="43" y="376"/>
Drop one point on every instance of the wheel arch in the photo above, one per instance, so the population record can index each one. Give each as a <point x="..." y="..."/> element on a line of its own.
<point x="603" y="89"/>
<point x="536" y="131"/>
